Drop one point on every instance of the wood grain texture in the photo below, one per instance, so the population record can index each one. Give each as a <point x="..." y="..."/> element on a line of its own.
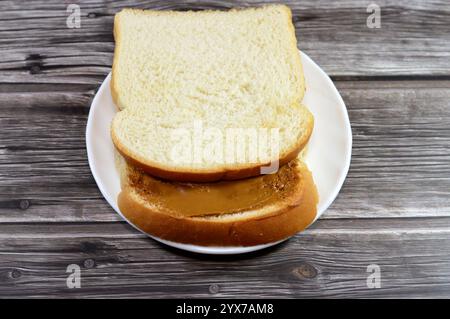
<point x="119" y="262"/>
<point x="400" y="163"/>
<point x="414" y="38"/>
<point x="394" y="208"/>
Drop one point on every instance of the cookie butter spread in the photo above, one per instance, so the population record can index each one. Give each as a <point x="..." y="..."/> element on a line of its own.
<point x="226" y="197"/>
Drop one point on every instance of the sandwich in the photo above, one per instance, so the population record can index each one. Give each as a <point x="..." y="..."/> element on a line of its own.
<point x="184" y="82"/>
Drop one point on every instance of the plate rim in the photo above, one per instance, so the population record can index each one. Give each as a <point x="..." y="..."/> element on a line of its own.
<point x="218" y="250"/>
<point x="349" y="138"/>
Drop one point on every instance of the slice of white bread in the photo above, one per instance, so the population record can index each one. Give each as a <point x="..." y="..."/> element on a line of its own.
<point x="233" y="69"/>
<point x="246" y="212"/>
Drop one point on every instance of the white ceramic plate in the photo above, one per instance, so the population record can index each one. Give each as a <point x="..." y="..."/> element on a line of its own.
<point x="328" y="155"/>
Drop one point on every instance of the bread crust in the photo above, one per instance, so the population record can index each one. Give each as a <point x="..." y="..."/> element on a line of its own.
<point x="284" y="220"/>
<point x="113" y="85"/>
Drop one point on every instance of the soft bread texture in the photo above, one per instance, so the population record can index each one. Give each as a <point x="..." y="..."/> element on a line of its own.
<point x="234" y="69"/>
<point x="284" y="205"/>
<point x="141" y="155"/>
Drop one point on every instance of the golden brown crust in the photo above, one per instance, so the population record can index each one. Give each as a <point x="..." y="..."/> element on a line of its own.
<point x="286" y="220"/>
<point x="203" y="176"/>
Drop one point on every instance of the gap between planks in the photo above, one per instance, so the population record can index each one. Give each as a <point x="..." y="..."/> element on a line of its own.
<point x="121" y="229"/>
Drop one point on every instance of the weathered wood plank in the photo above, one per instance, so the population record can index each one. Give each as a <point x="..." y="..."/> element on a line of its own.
<point x="329" y="260"/>
<point x="414" y="38"/>
<point x="400" y="165"/>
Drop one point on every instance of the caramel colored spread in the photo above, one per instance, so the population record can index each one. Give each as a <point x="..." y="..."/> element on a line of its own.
<point x="226" y="197"/>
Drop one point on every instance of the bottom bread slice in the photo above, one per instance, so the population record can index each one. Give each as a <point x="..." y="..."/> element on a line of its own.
<point x="246" y="212"/>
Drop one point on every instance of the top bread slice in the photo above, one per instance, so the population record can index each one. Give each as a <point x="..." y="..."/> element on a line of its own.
<point x="237" y="69"/>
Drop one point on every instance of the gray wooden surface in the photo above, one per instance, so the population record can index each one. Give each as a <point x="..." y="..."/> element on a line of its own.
<point x="393" y="211"/>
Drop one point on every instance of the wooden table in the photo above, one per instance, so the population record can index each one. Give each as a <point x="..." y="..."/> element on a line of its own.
<point x="393" y="211"/>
